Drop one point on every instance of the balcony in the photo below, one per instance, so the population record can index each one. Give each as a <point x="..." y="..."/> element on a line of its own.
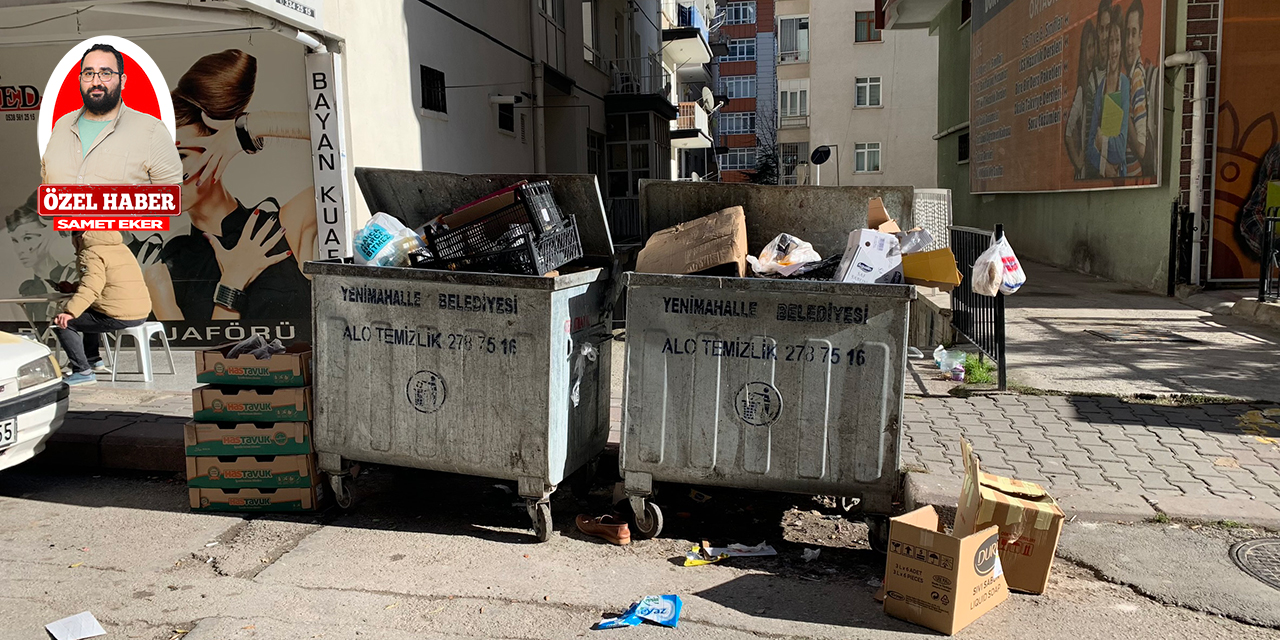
<point x="792" y="57"/>
<point x="685" y="38"/>
<point x="793" y="122"/>
<point x="639" y="84"/>
<point x="912" y="14"/>
<point x="690" y="130"/>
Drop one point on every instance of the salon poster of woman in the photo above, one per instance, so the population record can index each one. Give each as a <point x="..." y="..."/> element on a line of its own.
<point x="1064" y="94"/>
<point x="211" y="83"/>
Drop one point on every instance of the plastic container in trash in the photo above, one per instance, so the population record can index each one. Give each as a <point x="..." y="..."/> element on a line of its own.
<point x="772" y="384"/>
<point x="489" y="375"/>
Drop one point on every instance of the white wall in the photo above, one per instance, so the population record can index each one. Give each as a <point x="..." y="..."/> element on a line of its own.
<point x="907" y="63"/>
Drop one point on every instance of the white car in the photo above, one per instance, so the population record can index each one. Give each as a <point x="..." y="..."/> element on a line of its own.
<point x="33" y="398"/>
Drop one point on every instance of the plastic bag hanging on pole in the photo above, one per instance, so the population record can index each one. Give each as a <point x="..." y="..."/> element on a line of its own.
<point x="1013" y="275"/>
<point x="988" y="272"/>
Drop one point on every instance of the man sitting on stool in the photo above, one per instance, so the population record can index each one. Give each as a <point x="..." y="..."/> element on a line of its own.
<point x="112" y="296"/>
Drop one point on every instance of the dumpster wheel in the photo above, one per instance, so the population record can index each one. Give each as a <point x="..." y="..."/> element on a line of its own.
<point x="540" y="513"/>
<point x="648" y="521"/>
<point x="341" y="486"/>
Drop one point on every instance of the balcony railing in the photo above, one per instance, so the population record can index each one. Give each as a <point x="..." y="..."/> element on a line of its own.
<point x="692" y="116"/>
<point x="684" y="13"/>
<point x="793" y="122"/>
<point x="785" y="57"/>
<point x="638" y="76"/>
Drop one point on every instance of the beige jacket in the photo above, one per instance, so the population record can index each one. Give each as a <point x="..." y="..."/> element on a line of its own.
<point x="110" y="279"/>
<point x="134" y="149"/>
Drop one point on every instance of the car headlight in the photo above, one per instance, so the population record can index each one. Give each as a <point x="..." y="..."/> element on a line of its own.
<point x="38" y="371"/>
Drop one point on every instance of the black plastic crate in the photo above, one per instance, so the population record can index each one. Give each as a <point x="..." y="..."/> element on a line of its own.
<point x="534" y="212"/>
<point x="526" y="255"/>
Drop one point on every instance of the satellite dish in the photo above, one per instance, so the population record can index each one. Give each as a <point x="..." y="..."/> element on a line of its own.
<point x="820" y="155"/>
<point x="708" y="100"/>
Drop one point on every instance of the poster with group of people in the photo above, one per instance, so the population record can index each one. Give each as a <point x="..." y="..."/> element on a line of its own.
<point x="1065" y="94"/>
<point x="248" y="217"/>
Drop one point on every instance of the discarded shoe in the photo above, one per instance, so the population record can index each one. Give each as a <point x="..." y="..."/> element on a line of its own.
<point x="607" y="527"/>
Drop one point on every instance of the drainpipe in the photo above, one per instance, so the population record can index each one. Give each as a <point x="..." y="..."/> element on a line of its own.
<point x="1198" y="99"/>
<point x="539" y="87"/>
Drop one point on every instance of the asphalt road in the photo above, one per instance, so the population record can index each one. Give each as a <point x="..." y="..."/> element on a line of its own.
<point x="438" y="556"/>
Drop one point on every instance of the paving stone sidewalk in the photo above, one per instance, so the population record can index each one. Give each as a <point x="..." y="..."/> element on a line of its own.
<point x="121" y="429"/>
<point x="1105" y="458"/>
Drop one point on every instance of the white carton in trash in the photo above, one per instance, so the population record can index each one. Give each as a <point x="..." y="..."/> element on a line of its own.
<point x="871" y="257"/>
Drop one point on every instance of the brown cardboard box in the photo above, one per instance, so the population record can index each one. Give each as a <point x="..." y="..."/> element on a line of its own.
<point x="289" y="369"/>
<point x="473" y="211"/>
<point x="699" y="245"/>
<point x="246" y="499"/>
<point x="235" y="472"/>
<point x="878" y="218"/>
<point x="1029" y="521"/>
<point x="247" y="438"/>
<point x="939" y="581"/>
<point x="216" y="404"/>
<point x="935" y="268"/>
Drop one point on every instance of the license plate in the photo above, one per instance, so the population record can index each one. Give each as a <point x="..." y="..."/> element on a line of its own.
<point x="8" y="432"/>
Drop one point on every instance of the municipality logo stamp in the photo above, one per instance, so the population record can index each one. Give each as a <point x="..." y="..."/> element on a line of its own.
<point x="426" y="391"/>
<point x="758" y="404"/>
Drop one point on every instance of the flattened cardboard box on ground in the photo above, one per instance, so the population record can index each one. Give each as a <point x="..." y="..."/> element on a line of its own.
<point x="714" y="244"/>
<point x="940" y="581"/>
<point x="260" y="499"/>
<point x="935" y="268"/>
<point x="1029" y="520"/>
<point x="247" y="438"/>
<point x="219" y="404"/>
<point x="289" y="369"/>
<point x="237" y="472"/>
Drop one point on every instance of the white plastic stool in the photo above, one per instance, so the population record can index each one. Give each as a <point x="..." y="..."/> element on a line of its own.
<point x="142" y="335"/>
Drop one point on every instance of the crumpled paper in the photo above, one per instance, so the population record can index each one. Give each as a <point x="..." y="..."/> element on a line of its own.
<point x="705" y="554"/>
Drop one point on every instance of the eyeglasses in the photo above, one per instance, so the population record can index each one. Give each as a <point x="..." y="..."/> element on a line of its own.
<point x="89" y="74"/>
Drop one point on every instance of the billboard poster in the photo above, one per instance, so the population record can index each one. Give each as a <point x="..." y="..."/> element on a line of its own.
<point x="248" y="219"/>
<point x="1247" y="155"/>
<point x="1065" y="95"/>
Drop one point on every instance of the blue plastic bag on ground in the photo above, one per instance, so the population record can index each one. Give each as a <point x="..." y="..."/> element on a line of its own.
<point x="663" y="610"/>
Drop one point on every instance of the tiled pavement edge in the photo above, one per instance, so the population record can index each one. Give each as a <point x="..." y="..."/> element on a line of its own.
<point x="1104" y="458"/>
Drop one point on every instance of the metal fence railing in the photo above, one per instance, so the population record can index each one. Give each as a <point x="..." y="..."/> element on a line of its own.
<point x="1269" y="275"/>
<point x="979" y="318"/>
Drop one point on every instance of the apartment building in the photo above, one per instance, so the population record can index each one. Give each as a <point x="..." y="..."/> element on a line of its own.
<point x="746" y="78"/>
<point x="867" y="94"/>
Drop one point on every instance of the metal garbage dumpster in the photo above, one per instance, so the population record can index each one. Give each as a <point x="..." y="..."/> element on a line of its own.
<point x="754" y="383"/>
<point x="479" y="374"/>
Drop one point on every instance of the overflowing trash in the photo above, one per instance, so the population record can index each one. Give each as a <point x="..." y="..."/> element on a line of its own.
<point x="518" y="230"/>
<point x="705" y="554"/>
<point x="785" y="255"/>
<point x="662" y="610"/>
<point x="948" y="360"/>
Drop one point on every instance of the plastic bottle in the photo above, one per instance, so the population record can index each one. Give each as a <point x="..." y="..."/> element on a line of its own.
<point x="385" y="242"/>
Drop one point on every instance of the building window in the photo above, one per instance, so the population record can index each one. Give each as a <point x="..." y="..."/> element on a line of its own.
<point x="868" y="91"/>
<point x="738" y="86"/>
<point x="792" y="156"/>
<point x="507" y="118"/>
<point x="793" y="98"/>
<point x="433" y="90"/>
<point x="738" y="159"/>
<point x="865" y="29"/>
<point x="741" y="50"/>
<point x="740" y="13"/>
<point x="553" y="9"/>
<point x="590" y="35"/>
<point x="966" y="11"/>
<point x="962" y="152"/>
<point x="793" y="39"/>
<point x="638" y="147"/>
<point x="737" y="123"/>
<point x="866" y="157"/>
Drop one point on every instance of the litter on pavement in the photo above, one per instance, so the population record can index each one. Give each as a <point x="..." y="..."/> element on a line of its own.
<point x="810" y="555"/>
<point x="663" y="610"/>
<point x="81" y="625"/>
<point x="705" y="554"/>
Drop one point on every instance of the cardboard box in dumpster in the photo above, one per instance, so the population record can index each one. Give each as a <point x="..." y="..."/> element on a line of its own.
<point x="935" y="268"/>
<point x="719" y="239"/>
<point x="1029" y="521"/>
<point x="232" y="472"/>
<point x="260" y="499"/>
<point x="289" y="369"/>
<point x="939" y="581"/>
<point x="878" y="218"/>
<point x="871" y="257"/>
<point x="473" y="211"/>
<point x="220" y="404"/>
<point x="247" y="438"/>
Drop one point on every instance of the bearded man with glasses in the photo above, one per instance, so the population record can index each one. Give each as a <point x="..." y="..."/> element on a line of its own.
<point x="106" y="142"/>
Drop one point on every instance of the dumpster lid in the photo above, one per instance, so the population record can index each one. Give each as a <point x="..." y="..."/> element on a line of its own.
<point x="416" y="197"/>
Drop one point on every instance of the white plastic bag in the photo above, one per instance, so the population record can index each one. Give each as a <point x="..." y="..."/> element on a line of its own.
<point x="1014" y="276"/>
<point x="385" y="242"/>
<point x="988" y="272"/>
<point x="784" y="255"/>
